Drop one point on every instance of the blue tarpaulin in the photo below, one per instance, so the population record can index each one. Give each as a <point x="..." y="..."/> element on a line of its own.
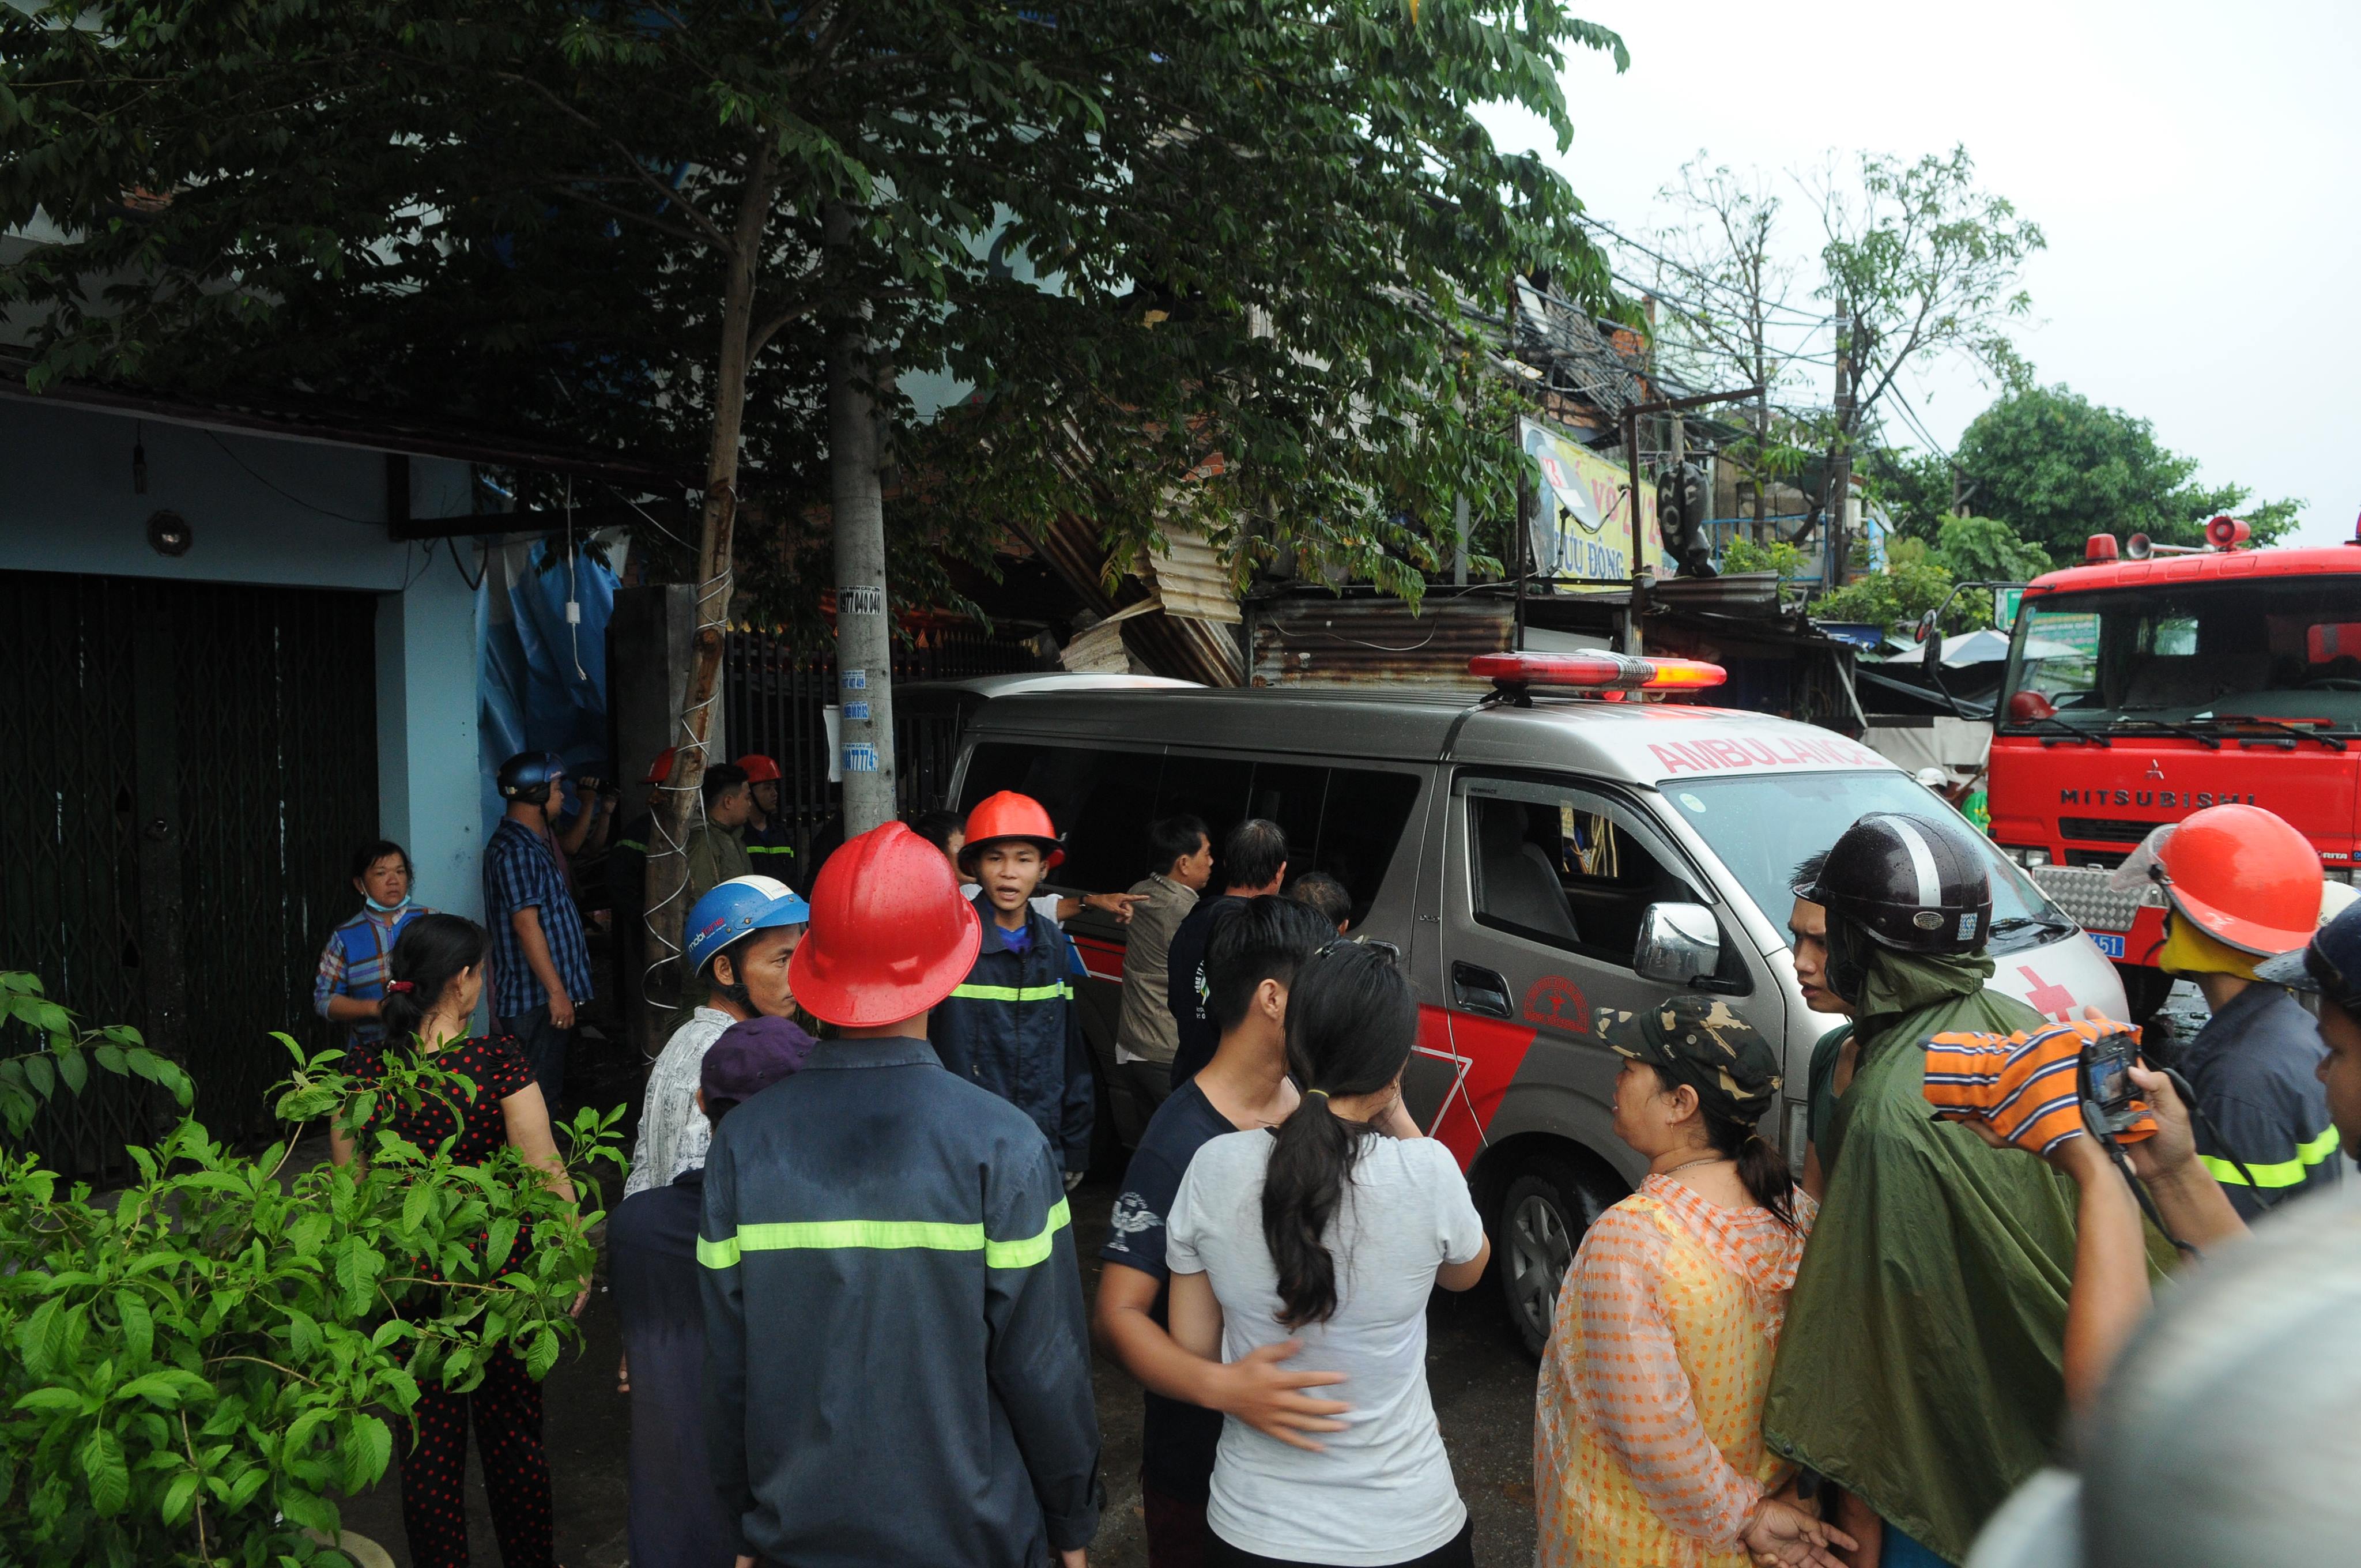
<point x="542" y="681"/>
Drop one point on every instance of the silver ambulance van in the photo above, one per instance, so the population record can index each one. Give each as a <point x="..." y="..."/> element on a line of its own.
<point x="1547" y="858"/>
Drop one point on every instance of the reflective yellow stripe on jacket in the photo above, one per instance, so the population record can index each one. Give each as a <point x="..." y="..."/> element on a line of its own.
<point x="2279" y="1173"/>
<point x="885" y="1235"/>
<point x="1061" y="990"/>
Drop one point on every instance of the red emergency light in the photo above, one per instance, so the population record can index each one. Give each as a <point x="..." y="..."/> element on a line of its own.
<point x="1599" y="672"/>
<point x="2099" y="550"/>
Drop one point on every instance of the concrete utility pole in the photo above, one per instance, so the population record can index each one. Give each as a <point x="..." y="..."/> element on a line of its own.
<point x="1834" y="543"/>
<point x="865" y="648"/>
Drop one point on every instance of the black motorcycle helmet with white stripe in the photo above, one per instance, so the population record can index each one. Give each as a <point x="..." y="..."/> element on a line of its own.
<point x="1918" y="885"/>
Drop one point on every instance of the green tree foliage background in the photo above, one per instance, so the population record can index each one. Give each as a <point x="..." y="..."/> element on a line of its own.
<point x="1192" y="264"/>
<point x="2057" y="467"/>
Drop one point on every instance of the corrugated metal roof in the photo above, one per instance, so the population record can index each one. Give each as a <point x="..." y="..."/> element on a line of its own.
<point x="1191" y="579"/>
<point x="1320" y="642"/>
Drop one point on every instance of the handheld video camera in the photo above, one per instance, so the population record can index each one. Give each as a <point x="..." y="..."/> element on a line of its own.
<point x="2105" y="1080"/>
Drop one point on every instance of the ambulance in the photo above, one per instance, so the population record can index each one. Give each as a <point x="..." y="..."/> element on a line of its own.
<point x="1547" y="857"/>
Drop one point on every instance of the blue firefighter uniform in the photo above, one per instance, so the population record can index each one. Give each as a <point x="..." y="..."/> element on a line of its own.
<point x="897" y="1359"/>
<point x="1012" y="1027"/>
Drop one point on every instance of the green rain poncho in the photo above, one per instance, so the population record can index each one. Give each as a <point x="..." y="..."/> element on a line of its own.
<point x="1921" y="1365"/>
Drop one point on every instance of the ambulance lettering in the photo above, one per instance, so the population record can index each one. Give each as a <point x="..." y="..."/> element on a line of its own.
<point x="1719" y="755"/>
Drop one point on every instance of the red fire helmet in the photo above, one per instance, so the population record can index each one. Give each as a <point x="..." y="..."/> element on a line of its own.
<point x="660" y="770"/>
<point x="759" y="769"/>
<point x="1009" y="815"/>
<point x="889" y="934"/>
<point x="2245" y="876"/>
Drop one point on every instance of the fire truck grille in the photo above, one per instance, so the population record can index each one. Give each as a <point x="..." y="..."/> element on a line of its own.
<point x="2105" y="829"/>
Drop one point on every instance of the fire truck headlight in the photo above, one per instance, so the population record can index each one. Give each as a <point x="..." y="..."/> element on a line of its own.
<point x="2025" y="856"/>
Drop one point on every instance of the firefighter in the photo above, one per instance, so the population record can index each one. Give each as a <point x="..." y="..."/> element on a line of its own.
<point x="2241" y="885"/>
<point x="1012" y="1025"/>
<point x="1919" y="1367"/>
<point x="770" y="837"/>
<point x="897" y="1365"/>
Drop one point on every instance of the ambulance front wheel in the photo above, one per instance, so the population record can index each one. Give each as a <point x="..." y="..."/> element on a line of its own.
<point x="1543" y="1212"/>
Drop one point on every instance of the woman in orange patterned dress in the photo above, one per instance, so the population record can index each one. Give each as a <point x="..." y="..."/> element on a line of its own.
<point x="1648" y="1440"/>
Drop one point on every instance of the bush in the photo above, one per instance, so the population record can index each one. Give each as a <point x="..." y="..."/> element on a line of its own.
<point x="1742" y="554"/>
<point x="202" y="1367"/>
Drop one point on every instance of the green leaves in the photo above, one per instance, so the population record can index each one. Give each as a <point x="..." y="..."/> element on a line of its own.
<point x="214" y="1339"/>
<point x="101" y="1459"/>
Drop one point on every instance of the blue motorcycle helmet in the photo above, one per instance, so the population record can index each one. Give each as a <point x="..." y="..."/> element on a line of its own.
<point x="738" y="908"/>
<point x="527" y="776"/>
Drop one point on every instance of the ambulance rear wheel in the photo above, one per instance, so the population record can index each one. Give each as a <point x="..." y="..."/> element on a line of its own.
<point x="1542" y="1214"/>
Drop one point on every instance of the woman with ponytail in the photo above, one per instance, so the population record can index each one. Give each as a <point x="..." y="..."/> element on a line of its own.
<point x="1648" y="1442"/>
<point x="1331" y="1230"/>
<point x="436" y="977"/>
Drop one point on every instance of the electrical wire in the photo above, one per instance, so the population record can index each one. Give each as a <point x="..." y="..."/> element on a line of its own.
<point x="289" y="495"/>
<point x="460" y="567"/>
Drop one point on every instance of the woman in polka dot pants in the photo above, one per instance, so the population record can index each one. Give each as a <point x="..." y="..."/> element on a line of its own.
<point x="436" y="971"/>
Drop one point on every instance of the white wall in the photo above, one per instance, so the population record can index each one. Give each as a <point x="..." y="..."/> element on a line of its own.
<point x="289" y="513"/>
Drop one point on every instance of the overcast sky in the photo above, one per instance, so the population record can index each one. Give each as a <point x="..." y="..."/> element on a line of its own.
<point x="2197" y="168"/>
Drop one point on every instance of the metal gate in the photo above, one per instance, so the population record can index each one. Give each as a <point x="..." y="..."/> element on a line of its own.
<point x="775" y="699"/>
<point x="193" y="766"/>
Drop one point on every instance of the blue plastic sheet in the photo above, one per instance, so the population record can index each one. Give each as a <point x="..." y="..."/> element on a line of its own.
<point x="542" y="682"/>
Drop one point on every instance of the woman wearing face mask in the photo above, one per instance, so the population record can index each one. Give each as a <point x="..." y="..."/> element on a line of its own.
<point x="1647" y="1439"/>
<point x="351" y="982"/>
<point x="1332" y="1231"/>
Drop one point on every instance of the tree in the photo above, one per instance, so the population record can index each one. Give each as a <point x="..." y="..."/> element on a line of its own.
<point x="2057" y="468"/>
<point x="1724" y="286"/>
<point x="1200" y="265"/>
<point x="1985" y="550"/>
<point x="1917" y="262"/>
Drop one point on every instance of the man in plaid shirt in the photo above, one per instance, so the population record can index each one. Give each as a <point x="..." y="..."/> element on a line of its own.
<point x="541" y="965"/>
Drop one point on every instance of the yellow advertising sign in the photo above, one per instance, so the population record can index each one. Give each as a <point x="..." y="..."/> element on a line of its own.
<point x="1582" y="529"/>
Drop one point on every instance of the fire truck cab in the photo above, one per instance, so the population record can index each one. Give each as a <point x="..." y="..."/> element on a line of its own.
<point x="2147" y="684"/>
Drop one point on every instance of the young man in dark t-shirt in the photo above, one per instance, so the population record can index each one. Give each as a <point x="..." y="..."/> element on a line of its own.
<point x="1253" y="862"/>
<point x="1249" y="964"/>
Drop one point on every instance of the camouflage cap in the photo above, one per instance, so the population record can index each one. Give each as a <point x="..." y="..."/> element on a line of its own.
<point x="1701" y="1041"/>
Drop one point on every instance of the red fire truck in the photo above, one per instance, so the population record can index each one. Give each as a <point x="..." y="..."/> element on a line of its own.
<point x="2151" y="681"/>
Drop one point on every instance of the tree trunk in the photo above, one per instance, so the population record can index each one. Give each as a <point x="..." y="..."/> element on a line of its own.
<point x="864" y="649"/>
<point x="1836" y="542"/>
<point x="680" y="801"/>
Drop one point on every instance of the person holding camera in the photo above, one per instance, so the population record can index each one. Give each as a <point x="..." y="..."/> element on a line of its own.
<point x="1918" y="1370"/>
<point x="2254" y="1354"/>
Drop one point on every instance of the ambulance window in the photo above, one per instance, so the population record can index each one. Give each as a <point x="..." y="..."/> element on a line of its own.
<point x="1098" y="801"/>
<point x="1213" y="789"/>
<point x="1361" y="830"/>
<point x="1567" y="866"/>
<point x="1289" y="795"/>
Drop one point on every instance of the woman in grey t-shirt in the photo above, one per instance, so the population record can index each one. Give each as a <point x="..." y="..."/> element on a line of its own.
<point x="1332" y="1231"/>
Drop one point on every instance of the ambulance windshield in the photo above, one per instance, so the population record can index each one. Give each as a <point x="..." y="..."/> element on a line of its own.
<point x="1762" y="825"/>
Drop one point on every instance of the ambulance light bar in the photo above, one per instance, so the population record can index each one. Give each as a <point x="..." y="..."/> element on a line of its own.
<point x="1596" y="672"/>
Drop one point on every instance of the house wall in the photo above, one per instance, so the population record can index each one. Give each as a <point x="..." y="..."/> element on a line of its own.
<point x="287" y="513"/>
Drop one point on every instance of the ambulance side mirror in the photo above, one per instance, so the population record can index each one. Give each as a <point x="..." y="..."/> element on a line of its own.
<point x="1679" y="944"/>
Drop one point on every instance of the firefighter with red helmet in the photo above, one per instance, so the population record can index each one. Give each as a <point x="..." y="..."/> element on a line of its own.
<point x="770" y="837"/>
<point x="2241" y="885"/>
<point x="897" y="1362"/>
<point x="1011" y="1025"/>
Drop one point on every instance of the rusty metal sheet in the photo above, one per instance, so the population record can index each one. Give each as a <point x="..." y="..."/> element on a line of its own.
<point x="1317" y="641"/>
